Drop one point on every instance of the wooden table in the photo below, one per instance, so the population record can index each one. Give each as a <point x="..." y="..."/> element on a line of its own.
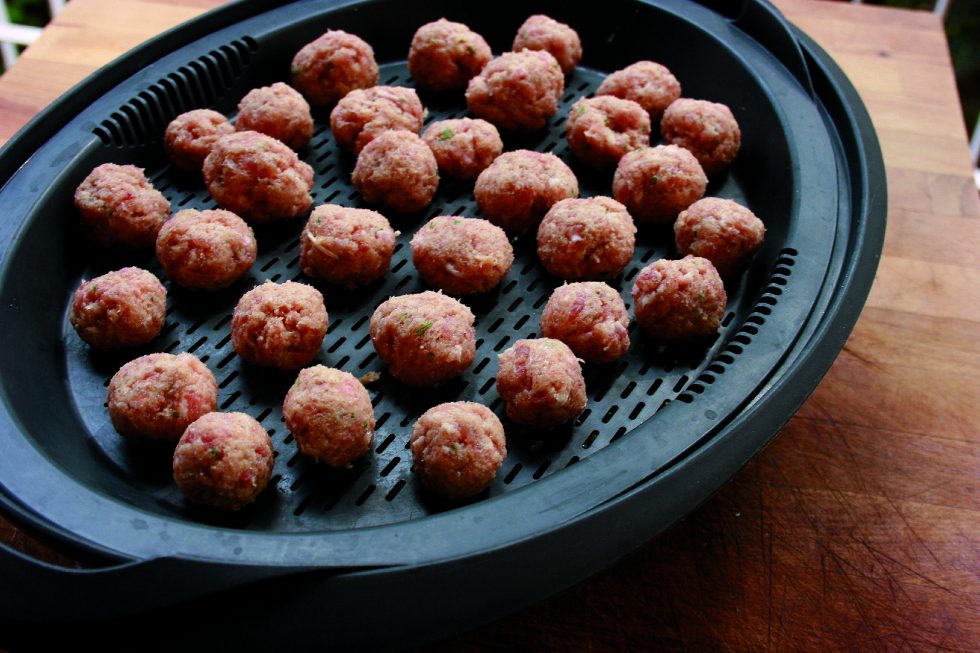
<point x="858" y="529"/>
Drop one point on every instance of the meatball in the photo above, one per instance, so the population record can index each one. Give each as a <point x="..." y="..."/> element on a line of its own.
<point x="119" y="206"/>
<point x="519" y="187"/>
<point x="465" y="147"/>
<point x="345" y="246"/>
<point x="362" y="114"/>
<point x="278" y="111"/>
<point x="398" y="170"/>
<point x="647" y="83"/>
<point x="279" y="325"/>
<point x="657" y="183"/>
<point x="589" y="238"/>
<point x="206" y="250"/>
<point x="330" y="414"/>
<point x="424" y="339"/>
<point x="223" y="461"/>
<point x="457" y="448"/>
<point x="707" y="129"/>
<point x="722" y="231"/>
<point x="461" y="256"/>
<point x="332" y="66"/>
<point x="190" y="136"/>
<point x="156" y="396"/>
<point x="446" y="55"/>
<point x="258" y="177"/>
<point x="679" y="300"/>
<point x="601" y="130"/>
<point x="517" y="90"/>
<point x="590" y="317"/>
<point x="541" y="383"/>
<point x="540" y="32"/>
<point x="124" y="308"/>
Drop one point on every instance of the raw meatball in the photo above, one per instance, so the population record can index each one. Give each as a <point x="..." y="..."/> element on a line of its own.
<point x="120" y="207"/>
<point x="541" y="383"/>
<point x="589" y="238"/>
<point x="156" y="396"/>
<point x="190" y="136"/>
<point x="519" y="187"/>
<point x="590" y="317"/>
<point x="398" y="170"/>
<point x="517" y="90"/>
<point x="279" y="325"/>
<point x="601" y="130"/>
<point x="707" y="129"/>
<point x="461" y="256"/>
<point x="446" y="55"/>
<point x="465" y="147"/>
<point x="258" y="177"/>
<point x="722" y="231"/>
<point x="657" y="183"/>
<point x="345" y="246"/>
<point x="278" y="111"/>
<point x="206" y="250"/>
<point x="332" y="66"/>
<point x="541" y="32"/>
<point x="457" y="448"/>
<point x="362" y="114"/>
<point x="124" y="308"/>
<point x="424" y="339"/>
<point x="330" y="414"/>
<point x="223" y="460"/>
<point x="679" y="300"/>
<point x="647" y="83"/>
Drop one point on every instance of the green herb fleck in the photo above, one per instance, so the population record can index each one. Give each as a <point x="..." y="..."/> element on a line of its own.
<point x="174" y="414"/>
<point x="580" y="109"/>
<point x="453" y="447"/>
<point x="471" y="50"/>
<point x="422" y="329"/>
<point x="95" y="287"/>
<point x="702" y="296"/>
<point x="215" y="453"/>
<point x="295" y="71"/>
<point x="457" y="222"/>
<point x="317" y="220"/>
<point x="605" y="121"/>
<point x="404" y="316"/>
<point x="654" y="180"/>
<point x="445" y="134"/>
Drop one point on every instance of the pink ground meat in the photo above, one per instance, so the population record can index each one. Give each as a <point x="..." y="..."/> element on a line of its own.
<point x="541" y="32"/>
<point x="657" y="183"/>
<point x="278" y="111"/>
<point x="707" y="129"/>
<point x="541" y="383"/>
<point x="119" y="207"/>
<point x="457" y="448"/>
<point x="279" y="325"/>
<point x="446" y="55"/>
<point x="590" y="317"/>
<point x="519" y="187"/>
<point x="722" y="231"/>
<point x="332" y="66"/>
<point x="465" y="147"/>
<point x="156" y="396"/>
<point x="589" y="238"/>
<point x="602" y="129"/>
<point x="206" y="250"/>
<point x="362" y="114"/>
<point x="649" y="84"/>
<point x="124" y="308"/>
<point x="461" y="256"/>
<point x="346" y="246"/>
<point x="190" y="136"/>
<point x="518" y="91"/>
<point x="679" y="300"/>
<point x="398" y="170"/>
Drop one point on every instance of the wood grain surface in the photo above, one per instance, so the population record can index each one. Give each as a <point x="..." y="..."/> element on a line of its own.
<point x="858" y="528"/>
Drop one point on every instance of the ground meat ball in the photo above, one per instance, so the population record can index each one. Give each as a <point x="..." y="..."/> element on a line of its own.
<point x="465" y="147"/>
<point x="332" y="66"/>
<point x="589" y="238"/>
<point x="279" y="325"/>
<point x="362" y="114"/>
<point x="541" y="383"/>
<point x="519" y="187"/>
<point x="679" y="300"/>
<point x="345" y="246"/>
<point x="190" y="136"/>
<point x="397" y="169"/>
<point x="461" y="256"/>
<point x="545" y="33"/>
<point x="590" y="317"/>
<point x="657" y="183"/>
<point x="647" y="83"/>
<point x="124" y="308"/>
<point x="156" y="396"/>
<point x="258" y="177"/>
<point x="119" y="206"/>
<point x="707" y="129"/>
<point x="517" y="90"/>
<point x="424" y="339"/>
<point x="206" y="250"/>
<point x="457" y="448"/>
<point x="278" y="111"/>
<point x="330" y="414"/>
<point x="446" y="55"/>
<point x="601" y="130"/>
<point x="223" y="460"/>
<point x="722" y="231"/>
